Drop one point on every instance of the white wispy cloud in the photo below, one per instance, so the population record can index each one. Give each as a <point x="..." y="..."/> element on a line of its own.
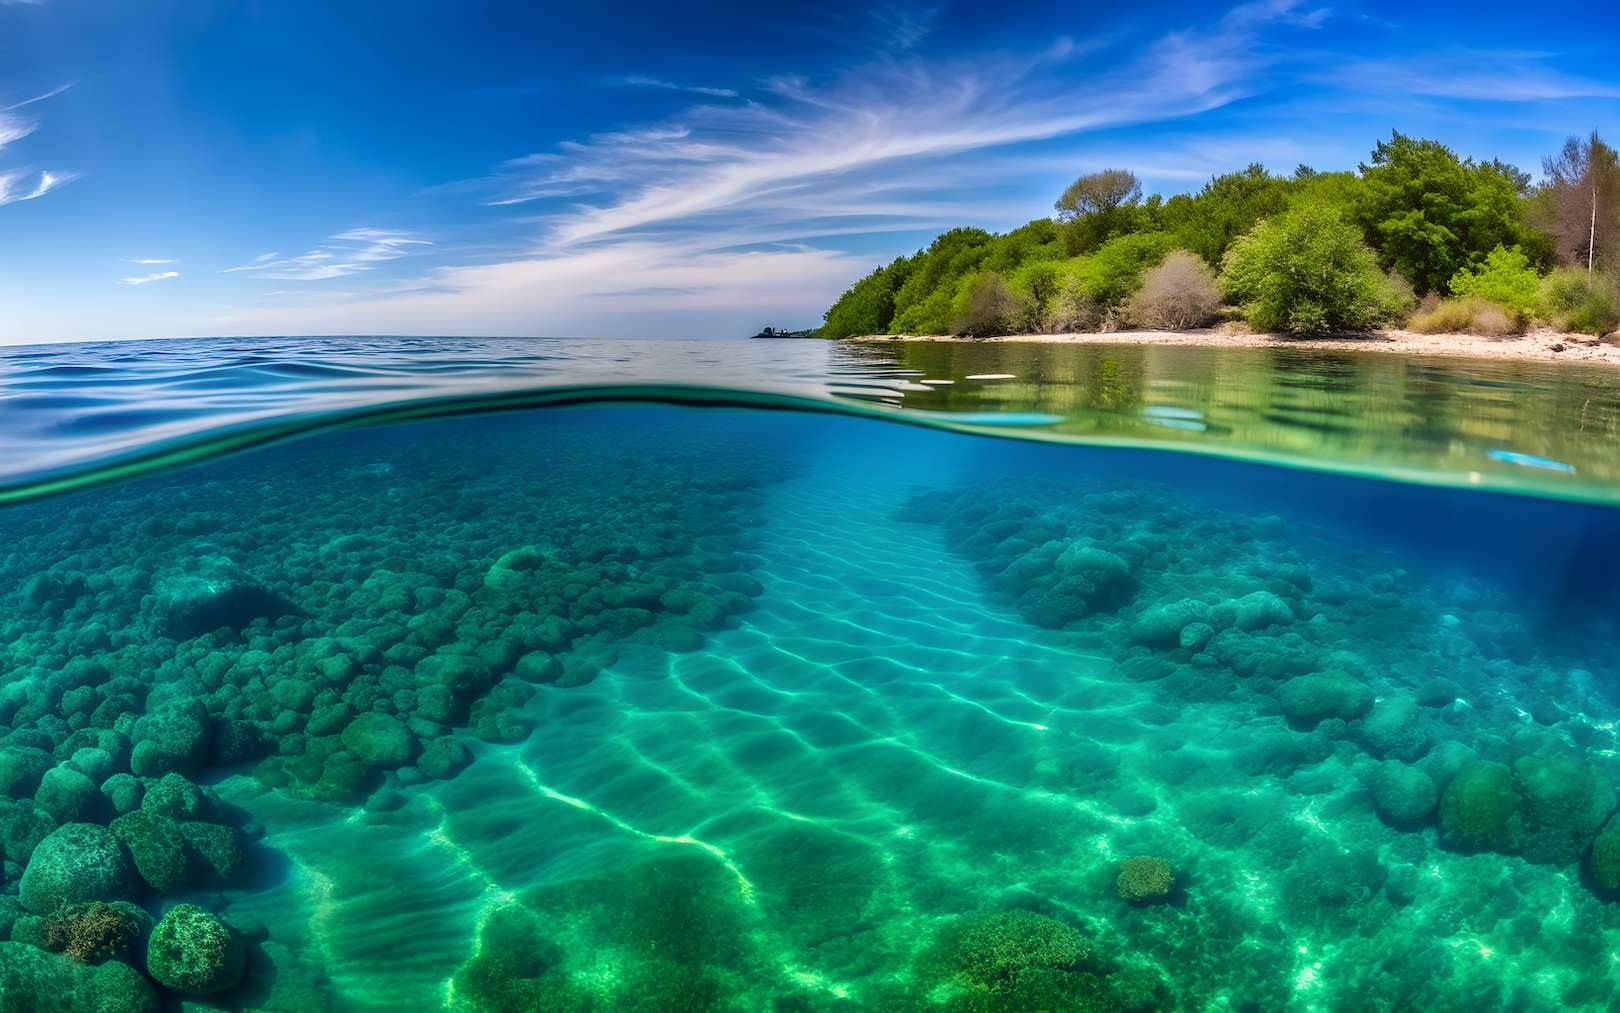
<point x="24" y="185"/>
<point x="1495" y="76"/>
<point x="18" y="185"/>
<point x="343" y="254"/>
<point x="641" y="81"/>
<point x="146" y="279"/>
<point x="904" y="26"/>
<point x="150" y="260"/>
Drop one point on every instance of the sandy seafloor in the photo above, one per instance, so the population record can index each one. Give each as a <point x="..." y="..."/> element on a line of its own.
<point x="646" y="708"/>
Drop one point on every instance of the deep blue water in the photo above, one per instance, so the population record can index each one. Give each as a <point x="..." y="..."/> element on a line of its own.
<point x="650" y="706"/>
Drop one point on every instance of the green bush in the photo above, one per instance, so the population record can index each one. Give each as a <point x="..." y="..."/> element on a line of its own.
<point x="1505" y="278"/>
<point x="1306" y="271"/>
<point x="1571" y="300"/>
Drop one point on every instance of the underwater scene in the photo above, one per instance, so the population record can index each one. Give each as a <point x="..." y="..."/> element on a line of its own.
<point x="513" y="680"/>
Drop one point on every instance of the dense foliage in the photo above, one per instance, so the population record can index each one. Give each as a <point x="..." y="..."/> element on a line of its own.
<point x="1475" y="237"/>
<point x="1306" y="271"/>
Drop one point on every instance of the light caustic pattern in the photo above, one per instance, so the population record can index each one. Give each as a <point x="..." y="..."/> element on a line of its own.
<point x="876" y="749"/>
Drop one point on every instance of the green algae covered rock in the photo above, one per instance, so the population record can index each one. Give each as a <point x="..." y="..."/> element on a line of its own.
<point x="23" y="825"/>
<point x="173" y="738"/>
<point x="21" y="769"/>
<point x="1564" y="802"/>
<point x="1603" y="859"/>
<point x="97" y="930"/>
<point x="1395" y="729"/>
<point x="174" y="796"/>
<point x="1162" y="625"/>
<point x="193" y="951"/>
<point x="217" y="849"/>
<point x="77" y="862"/>
<point x="123" y="793"/>
<point x="34" y="980"/>
<point x="1479" y="810"/>
<point x="156" y="847"/>
<point x="380" y="740"/>
<point x="1404" y="795"/>
<point x="1308" y="700"/>
<point x="1144" y="879"/>
<point x="1254" y="611"/>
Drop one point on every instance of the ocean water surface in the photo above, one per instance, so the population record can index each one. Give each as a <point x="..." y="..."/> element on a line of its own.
<point x="419" y="674"/>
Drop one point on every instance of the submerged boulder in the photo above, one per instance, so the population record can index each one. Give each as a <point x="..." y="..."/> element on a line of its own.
<point x="193" y="951"/>
<point x="210" y="593"/>
<point x="1307" y="700"/>
<point x="1144" y="879"/>
<point x="1565" y="802"/>
<point x="1395" y="728"/>
<point x="1479" y="810"/>
<point x="380" y="740"/>
<point x="39" y="981"/>
<point x="77" y="862"/>
<point x="1404" y="795"/>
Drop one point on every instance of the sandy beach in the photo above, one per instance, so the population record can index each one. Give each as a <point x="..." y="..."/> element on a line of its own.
<point x="1536" y="345"/>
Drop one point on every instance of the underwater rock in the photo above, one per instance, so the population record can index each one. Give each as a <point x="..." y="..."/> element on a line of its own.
<point x="1162" y="625"/>
<point x="21" y="770"/>
<point x="193" y="951"/>
<point x="173" y="738"/>
<point x="67" y="795"/>
<point x="23" y="825"/>
<point x="380" y="740"/>
<point x="1478" y="811"/>
<point x="39" y="981"/>
<point x="211" y="593"/>
<point x="123" y="793"/>
<point x="1395" y="729"/>
<point x="1195" y="635"/>
<point x="77" y="862"/>
<point x="1083" y="580"/>
<point x="1404" y="795"/>
<point x="1307" y="700"/>
<point x="1253" y="612"/>
<point x="1564" y="802"/>
<point x="1603" y="860"/>
<point x="156" y="847"/>
<point x="1143" y="879"/>
<point x="174" y="796"/>
<point x="218" y="849"/>
<point x="443" y="757"/>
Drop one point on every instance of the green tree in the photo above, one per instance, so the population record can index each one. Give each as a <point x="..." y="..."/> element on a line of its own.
<point x="868" y="306"/>
<point x="1307" y="271"/>
<point x="1094" y="206"/>
<point x="1228" y="206"/>
<point x="1431" y="213"/>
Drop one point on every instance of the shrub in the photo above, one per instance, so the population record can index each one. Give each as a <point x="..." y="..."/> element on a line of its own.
<point x="1179" y="293"/>
<point x="988" y="306"/>
<point x="1571" y="300"/>
<point x="1306" y="271"/>
<point x="1505" y="278"/>
<point x="1472" y="315"/>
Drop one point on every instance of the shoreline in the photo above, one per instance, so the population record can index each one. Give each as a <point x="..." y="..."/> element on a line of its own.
<point x="1543" y="346"/>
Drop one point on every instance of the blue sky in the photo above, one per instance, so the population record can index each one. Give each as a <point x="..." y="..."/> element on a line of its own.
<point x="280" y="166"/>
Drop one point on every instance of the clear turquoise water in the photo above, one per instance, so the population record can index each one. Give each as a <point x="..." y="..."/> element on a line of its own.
<point x="648" y="706"/>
